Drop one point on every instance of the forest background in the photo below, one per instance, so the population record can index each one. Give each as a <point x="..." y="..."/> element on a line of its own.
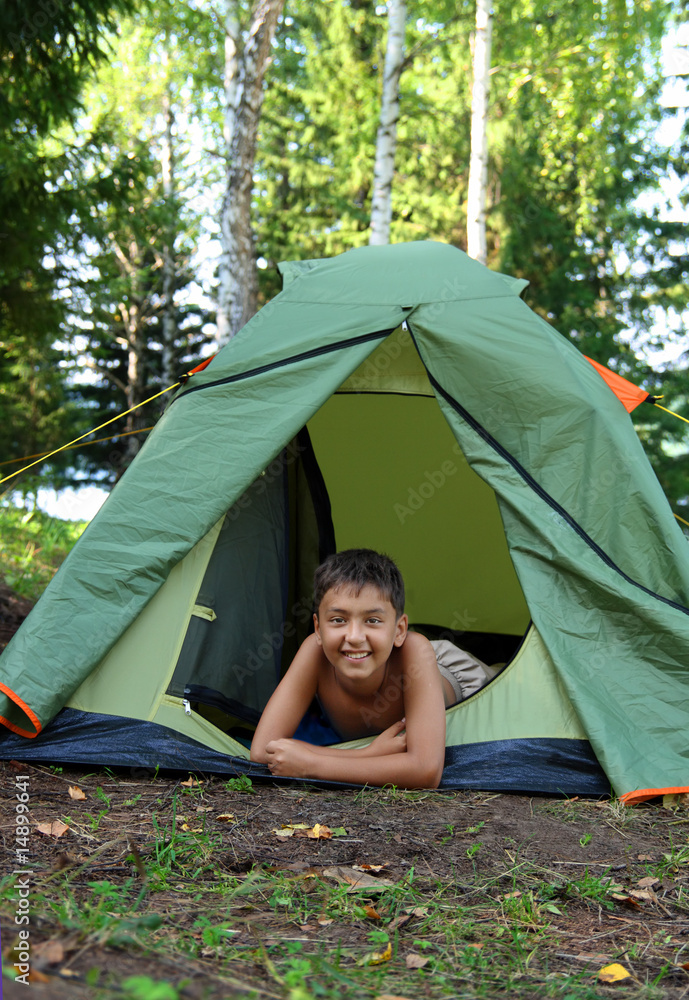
<point x="126" y="152"/>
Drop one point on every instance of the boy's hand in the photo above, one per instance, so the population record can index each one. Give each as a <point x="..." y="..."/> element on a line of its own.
<point x="391" y="740"/>
<point x="289" y="757"/>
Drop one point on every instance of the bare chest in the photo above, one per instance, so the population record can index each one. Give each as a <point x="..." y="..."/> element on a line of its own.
<point x="356" y="716"/>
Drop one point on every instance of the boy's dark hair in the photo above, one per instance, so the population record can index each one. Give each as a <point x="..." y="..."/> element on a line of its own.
<point x="356" y="568"/>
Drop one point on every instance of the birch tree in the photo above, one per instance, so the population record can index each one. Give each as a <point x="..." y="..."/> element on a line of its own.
<point x="247" y="55"/>
<point x="478" y="163"/>
<point x="386" y="140"/>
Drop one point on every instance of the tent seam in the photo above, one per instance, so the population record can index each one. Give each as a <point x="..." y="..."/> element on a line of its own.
<point x="293" y="359"/>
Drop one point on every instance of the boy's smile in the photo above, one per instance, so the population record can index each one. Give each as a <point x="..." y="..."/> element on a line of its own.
<point x="357" y="633"/>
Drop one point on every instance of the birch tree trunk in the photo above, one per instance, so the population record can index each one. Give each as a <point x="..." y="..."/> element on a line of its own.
<point x="478" y="163"/>
<point x="386" y="141"/>
<point x="246" y="61"/>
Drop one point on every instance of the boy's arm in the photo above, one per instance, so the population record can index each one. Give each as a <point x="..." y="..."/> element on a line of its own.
<point x="290" y="699"/>
<point x="420" y="765"/>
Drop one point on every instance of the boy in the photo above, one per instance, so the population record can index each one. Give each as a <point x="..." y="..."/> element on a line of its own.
<point x="370" y="675"/>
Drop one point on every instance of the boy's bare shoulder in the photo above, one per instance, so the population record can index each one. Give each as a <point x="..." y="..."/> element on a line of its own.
<point x="416" y="650"/>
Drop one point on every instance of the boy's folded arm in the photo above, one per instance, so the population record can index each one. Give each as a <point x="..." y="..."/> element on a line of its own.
<point x="406" y="770"/>
<point x="289" y="701"/>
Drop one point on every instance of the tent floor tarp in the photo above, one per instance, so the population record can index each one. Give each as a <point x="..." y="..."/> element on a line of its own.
<point x="528" y="766"/>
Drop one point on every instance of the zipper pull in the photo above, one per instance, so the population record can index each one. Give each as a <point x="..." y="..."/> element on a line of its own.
<point x="186" y="706"/>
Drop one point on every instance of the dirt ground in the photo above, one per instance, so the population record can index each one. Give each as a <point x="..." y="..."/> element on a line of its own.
<point x="493" y="849"/>
<point x="13" y="611"/>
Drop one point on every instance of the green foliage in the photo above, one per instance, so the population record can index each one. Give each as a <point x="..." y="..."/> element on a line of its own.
<point x="32" y="548"/>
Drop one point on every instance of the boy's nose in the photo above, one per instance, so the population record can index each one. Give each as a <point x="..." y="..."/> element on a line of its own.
<point x="355" y="632"/>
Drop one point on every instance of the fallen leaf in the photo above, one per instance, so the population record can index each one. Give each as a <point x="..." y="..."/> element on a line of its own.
<point x="642" y="894"/>
<point x="306" y="927"/>
<point x="369" y="868"/>
<point x="76" y="793"/>
<point x="357" y="880"/>
<point x="55" y="829"/>
<point x="371" y="912"/>
<point x="398" y="838"/>
<point x="414" y="961"/>
<point x="324" y="921"/>
<point x="613" y="973"/>
<point x="319" y="832"/>
<point x="418" y="911"/>
<point x="289" y="829"/>
<point x="624" y="898"/>
<point x="49" y="953"/>
<point x="398" y="922"/>
<point x="377" y="957"/>
<point x="512" y="895"/>
<point x="191" y="782"/>
<point x="225" y="818"/>
<point x="339" y="831"/>
<point x="647" y="882"/>
<point x="191" y="829"/>
<point x="389" y="996"/>
<point x="645" y="857"/>
<point x="38" y="977"/>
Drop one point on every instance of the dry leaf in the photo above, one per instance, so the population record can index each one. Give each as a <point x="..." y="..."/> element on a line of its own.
<point x="369" y="868"/>
<point x="225" y="818"/>
<point x="378" y="957"/>
<point x="38" y="977"/>
<point x="613" y="973"/>
<point x="398" y="837"/>
<point x="642" y="894"/>
<point x="55" y="829"/>
<point x="512" y="895"/>
<point x="647" y="882"/>
<point x="324" y="921"/>
<point x="418" y="911"/>
<point x="319" y="832"/>
<point x="389" y="996"/>
<point x="192" y="829"/>
<point x="371" y="912"/>
<point x="645" y="857"/>
<point x="357" y="880"/>
<point x="49" y="953"/>
<point x="623" y="898"/>
<point x="191" y="782"/>
<point x="289" y="829"/>
<point x="76" y="793"/>
<point x="414" y="961"/>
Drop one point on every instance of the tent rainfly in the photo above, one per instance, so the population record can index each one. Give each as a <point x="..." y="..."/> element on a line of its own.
<point x="401" y="398"/>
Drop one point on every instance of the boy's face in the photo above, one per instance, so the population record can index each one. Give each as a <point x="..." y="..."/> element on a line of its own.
<point x="357" y="632"/>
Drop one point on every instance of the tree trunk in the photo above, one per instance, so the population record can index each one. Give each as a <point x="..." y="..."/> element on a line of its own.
<point x="478" y="164"/>
<point x="246" y="61"/>
<point x="386" y="141"/>
<point x="169" y="313"/>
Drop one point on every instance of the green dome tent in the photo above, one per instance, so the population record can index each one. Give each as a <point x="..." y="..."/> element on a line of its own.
<point x="401" y="398"/>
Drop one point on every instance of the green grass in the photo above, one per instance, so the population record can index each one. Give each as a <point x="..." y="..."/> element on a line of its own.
<point x="32" y="548"/>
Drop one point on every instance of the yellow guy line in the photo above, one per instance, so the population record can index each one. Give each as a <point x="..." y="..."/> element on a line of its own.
<point x="672" y="412"/>
<point x="682" y="520"/>
<point x="42" y="454"/>
<point x="92" y="431"/>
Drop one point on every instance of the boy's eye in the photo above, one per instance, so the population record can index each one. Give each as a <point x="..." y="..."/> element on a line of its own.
<point x="374" y="621"/>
